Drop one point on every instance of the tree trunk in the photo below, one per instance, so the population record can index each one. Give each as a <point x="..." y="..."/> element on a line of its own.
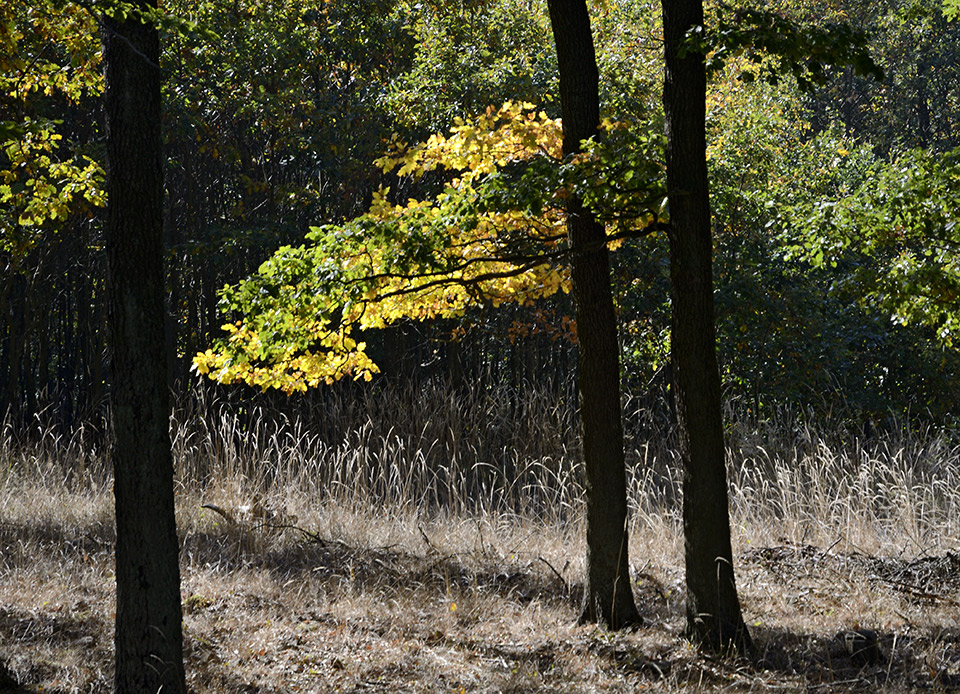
<point x="713" y="609"/>
<point x="609" y="595"/>
<point x="6" y="348"/>
<point x="17" y="344"/>
<point x="148" y="635"/>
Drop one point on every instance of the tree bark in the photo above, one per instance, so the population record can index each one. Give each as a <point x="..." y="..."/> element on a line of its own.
<point x="713" y="609"/>
<point x="148" y="636"/>
<point x="609" y="594"/>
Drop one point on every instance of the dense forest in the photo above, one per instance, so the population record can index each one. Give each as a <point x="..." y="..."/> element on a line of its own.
<point x="459" y="261"/>
<point x="835" y="273"/>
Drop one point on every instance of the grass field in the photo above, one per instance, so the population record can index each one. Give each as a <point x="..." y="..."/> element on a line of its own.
<point x="421" y="540"/>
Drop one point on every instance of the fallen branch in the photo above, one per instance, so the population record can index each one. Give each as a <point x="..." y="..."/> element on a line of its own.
<point x="222" y="511"/>
<point x="563" y="581"/>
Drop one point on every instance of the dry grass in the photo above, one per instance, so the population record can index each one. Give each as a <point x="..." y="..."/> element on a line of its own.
<point x="443" y="552"/>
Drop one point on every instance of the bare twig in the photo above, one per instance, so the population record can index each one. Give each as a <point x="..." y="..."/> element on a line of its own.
<point x="426" y="539"/>
<point x="563" y="581"/>
<point x="222" y="511"/>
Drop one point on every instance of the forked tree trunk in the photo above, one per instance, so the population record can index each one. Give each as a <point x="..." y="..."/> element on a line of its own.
<point x="609" y="594"/>
<point x="148" y="635"/>
<point x="713" y="609"/>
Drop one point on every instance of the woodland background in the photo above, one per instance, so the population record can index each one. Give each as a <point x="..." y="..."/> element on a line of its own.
<point x="273" y="126"/>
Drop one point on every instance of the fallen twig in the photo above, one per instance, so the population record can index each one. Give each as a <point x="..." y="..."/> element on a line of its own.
<point x="563" y="581"/>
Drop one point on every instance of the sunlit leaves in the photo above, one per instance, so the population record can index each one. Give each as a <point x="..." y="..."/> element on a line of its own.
<point x="906" y="222"/>
<point x="48" y="48"/>
<point x="37" y="187"/>
<point x="951" y="9"/>
<point x="494" y="234"/>
<point x="49" y="54"/>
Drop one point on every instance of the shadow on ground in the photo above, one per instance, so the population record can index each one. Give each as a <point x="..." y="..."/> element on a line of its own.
<point x="53" y="648"/>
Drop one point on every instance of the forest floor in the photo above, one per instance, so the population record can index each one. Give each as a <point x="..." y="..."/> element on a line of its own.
<point x="394" y="601"/>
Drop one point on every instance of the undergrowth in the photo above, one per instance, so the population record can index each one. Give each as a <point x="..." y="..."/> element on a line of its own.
<point x="428" y="538"/>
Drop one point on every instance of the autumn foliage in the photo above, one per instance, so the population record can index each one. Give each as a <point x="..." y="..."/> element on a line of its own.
<point x="493" y="234"/>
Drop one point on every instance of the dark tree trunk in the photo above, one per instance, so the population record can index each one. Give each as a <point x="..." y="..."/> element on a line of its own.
<point x="17" y="339"/>
<point x="6" y="348"/>
<point x="713" y="609"/>
<point x="609" y="594"/>
<point x="148" y="636"/>
<point x="8" y="683"/>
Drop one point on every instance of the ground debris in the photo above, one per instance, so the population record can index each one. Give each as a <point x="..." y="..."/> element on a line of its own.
<point x="324" y="611"/>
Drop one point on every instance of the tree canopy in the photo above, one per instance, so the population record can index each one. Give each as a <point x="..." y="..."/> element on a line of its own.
<point x="276" y="116"/>
<point x="493" y="235"/>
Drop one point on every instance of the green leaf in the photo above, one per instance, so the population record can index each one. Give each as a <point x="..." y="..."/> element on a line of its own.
<point x="951" y="9"/>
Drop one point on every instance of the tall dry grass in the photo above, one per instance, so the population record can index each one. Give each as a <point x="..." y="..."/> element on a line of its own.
<point x="432" y="450"/>
<point x="443" y="547"/>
